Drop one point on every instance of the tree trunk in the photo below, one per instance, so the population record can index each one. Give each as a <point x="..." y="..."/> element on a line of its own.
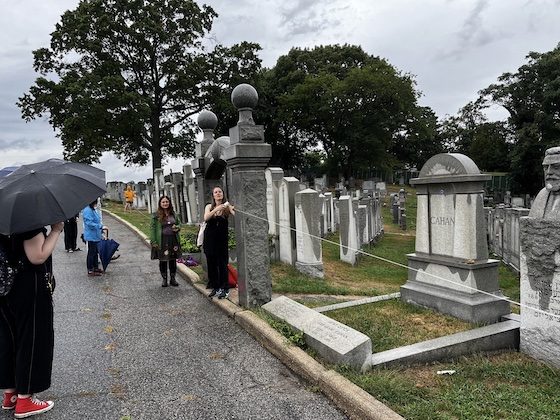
<point x="156" y="142"/>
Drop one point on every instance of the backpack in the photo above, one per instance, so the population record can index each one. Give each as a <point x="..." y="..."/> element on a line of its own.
<point x="9" y="265"/>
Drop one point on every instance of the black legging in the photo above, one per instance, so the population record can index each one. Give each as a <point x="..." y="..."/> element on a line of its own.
<point x="172" y="267"/>
<point x="217" y="271"/>
<point x="70" y="234"/>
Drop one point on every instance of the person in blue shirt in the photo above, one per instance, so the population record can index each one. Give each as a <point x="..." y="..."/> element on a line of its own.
<point x="92" y="235"/>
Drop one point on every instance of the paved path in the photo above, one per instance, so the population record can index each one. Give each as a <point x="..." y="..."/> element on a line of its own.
<point x="125" y="346"/>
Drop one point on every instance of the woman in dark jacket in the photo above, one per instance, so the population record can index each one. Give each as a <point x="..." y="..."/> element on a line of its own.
<point x="165" y="239"/>
<point x="216" y="242"/>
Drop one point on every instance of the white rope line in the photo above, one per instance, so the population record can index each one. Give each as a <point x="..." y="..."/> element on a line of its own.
<point x="404" y="266"/>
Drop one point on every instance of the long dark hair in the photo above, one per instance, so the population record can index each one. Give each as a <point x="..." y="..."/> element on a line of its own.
<point x="163" y="213"/>
<point x="226" y="212"/>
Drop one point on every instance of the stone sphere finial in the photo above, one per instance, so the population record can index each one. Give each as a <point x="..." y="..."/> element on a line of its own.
<point x="207" y="120"/>
<point x="244" y="96"/>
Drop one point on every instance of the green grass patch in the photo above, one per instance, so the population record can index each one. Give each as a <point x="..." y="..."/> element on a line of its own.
<point x="138" y="217"/>
<point x="393" y="323"/>
<point x="503" y="386"/>
<point x="509" y="284"/>
<point x="293" y="335"/>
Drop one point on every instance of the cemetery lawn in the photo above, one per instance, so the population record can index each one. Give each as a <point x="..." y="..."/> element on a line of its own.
<point x="138" y="217"/>
<point x="507" y="385"/>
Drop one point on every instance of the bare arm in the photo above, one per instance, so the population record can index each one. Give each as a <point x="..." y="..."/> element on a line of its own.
<point x="39" y="248"/>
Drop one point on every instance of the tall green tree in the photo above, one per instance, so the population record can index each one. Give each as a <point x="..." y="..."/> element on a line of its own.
<point x="419" y="141"/>
<point x="351" y="104"/>
<point x="532" y="98"/>
<point x="126" y="76"/>
<point x="469" y="132"/>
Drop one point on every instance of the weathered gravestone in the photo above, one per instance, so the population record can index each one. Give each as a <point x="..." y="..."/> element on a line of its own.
<point x="329" y="212"/>
<point x="540" y="268"/>
<point x="347" y="229"/>
<point x="189" y="192"/>
<point x="334" y="341"/>
<point x="287" y="219"/>
<point x="450" y="270"/>
<point x="308" y="233"/>
<point x="395" y="208"/>
<point x="273" y="179"/>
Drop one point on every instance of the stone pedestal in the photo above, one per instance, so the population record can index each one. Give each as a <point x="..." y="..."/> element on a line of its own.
<point x="450" y="270"/>
<point x="247" y="157"/>
<point x="540" y="289"/>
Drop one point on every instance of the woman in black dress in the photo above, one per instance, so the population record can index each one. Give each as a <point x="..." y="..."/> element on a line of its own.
<point x="165" y="238"/>
<point x="26" y="324"/>
<point x="216" y="242"/>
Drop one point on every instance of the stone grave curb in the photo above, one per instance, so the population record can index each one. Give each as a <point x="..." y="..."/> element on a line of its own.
<point x="350" y="398"/>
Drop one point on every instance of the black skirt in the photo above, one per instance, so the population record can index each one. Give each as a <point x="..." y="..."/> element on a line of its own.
<point x="170" y="248"/>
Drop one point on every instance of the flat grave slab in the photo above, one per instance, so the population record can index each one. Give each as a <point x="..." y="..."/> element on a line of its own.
<point x="334" y="341"/>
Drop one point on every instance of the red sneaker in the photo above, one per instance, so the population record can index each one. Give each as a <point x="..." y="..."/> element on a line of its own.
<point x="26" y="407"/>
<point x="10" y="399"/>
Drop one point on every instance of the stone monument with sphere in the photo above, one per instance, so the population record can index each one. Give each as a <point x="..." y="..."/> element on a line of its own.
<point x="247" y="157"/>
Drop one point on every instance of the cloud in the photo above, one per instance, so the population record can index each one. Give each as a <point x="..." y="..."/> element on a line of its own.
<point x="302" y="17"/>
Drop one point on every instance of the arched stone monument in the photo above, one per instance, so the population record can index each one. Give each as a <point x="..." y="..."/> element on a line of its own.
<point x="451" y="262"/>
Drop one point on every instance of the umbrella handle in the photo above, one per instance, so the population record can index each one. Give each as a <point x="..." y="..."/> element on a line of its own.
<point x="105" y="229"/>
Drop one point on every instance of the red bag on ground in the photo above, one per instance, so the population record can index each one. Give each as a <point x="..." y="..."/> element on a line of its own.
<point x="232" y="276"/>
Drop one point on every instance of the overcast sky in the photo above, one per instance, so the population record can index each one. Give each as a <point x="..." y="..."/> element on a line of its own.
<point x="453" y="47"/>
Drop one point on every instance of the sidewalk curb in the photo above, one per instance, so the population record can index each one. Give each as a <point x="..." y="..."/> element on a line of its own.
<point x="348" y="397"/>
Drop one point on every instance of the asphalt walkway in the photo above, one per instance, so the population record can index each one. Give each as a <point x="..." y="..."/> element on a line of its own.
<point x="128" y="349"/>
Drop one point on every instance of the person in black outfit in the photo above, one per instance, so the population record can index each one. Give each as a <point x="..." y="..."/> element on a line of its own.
<point x="71" y="234"/>
<point x="26" y="324"/>
<point x="216" y="242"/>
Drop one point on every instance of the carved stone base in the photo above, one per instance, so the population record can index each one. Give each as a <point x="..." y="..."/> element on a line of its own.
<point x="450" y="297"/>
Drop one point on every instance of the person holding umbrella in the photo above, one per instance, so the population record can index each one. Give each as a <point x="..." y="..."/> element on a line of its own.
<point x="164" y="238"/>
<point x="28" y="310"/>
<point x="32" y="197"/>
<point x="92" y="234"/>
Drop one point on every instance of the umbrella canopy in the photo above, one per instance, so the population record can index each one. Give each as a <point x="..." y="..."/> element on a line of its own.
<point x="106" y="249"/>
<point x="47" y="192"/>
<point x="7" y="170"/>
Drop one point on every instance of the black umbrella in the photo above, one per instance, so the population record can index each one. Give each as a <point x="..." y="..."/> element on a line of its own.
<point x="106" y="249"/>
<point x="47" y="192"/>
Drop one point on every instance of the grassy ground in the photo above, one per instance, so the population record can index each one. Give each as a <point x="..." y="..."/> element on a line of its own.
<point x="508" y="385"/>
<point x="503" y="386"/>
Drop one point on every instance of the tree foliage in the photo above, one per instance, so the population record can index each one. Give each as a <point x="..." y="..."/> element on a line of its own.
<point x="349" y="103"/>
<point x="127" y="75"/>
<point x="486" y="143"/>
<point x="532" y="98"/>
